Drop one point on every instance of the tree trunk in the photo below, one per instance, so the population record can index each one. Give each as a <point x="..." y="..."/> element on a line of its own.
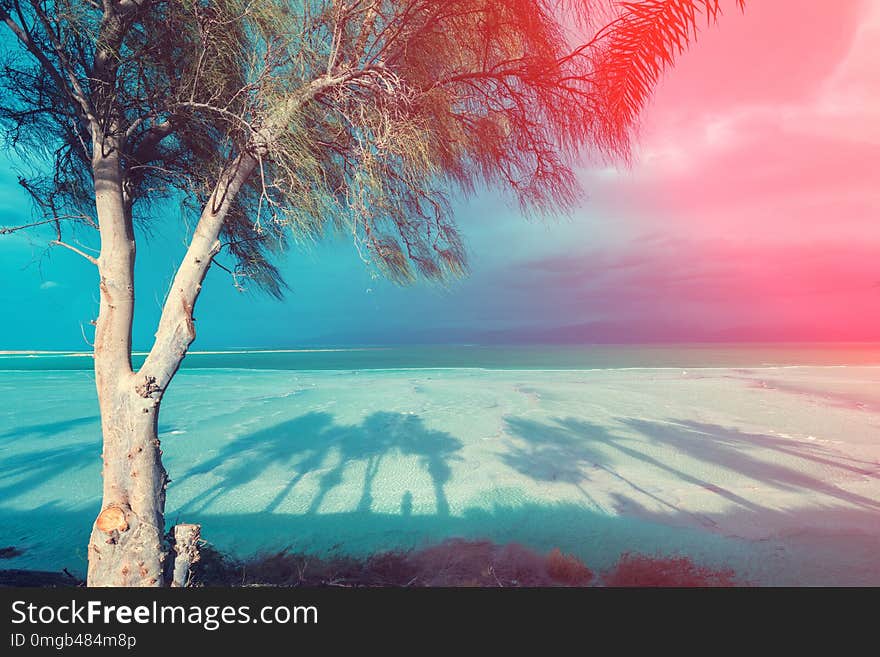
<point x="126" y="546"/>
<point x="127" y="542"/>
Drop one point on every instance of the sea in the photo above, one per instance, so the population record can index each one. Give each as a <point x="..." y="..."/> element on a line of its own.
<point x="511" y="357"/>
<point x="759" y="458"/>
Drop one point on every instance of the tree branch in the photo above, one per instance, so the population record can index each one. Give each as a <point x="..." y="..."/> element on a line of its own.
<point x="79" y="99"/>
<point x="176" y="326"/>
<point x="85" y="255"/>
<point x="8" y="230"/>
<point x="147" y="149"/>
<point x="176" y="330"/>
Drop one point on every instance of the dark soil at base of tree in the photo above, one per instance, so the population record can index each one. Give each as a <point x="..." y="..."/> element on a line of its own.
<point x="454" y="562"/>
<point x="38" y="578"/>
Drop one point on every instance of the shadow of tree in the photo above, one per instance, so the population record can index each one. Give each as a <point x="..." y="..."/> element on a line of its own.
<point x="314" y="442"/>
<point x="562" y="448"/>
<point x="49" y="429"/>
<point x="732" y="448"/>
<point x="32" y="467"/>
<point x="811" y="451"/>
<point x="847" y="401"/>
<point x="567" y="450"/>
<point x="552" y="453"/>
<point x="295" y="444"/>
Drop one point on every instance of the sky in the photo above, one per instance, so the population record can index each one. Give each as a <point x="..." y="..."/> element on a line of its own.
<point x="749" y="214"/>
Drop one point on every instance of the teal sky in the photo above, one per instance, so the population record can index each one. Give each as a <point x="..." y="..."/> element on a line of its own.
<point x="750" y="214"/>
<point x="335" y="298"/>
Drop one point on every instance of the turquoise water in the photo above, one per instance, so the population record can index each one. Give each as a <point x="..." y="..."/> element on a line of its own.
<point x="495" y="357"/>
<point x="771" y="471"/>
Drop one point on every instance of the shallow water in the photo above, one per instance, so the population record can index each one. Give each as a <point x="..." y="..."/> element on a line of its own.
<point x="773" y="471"/>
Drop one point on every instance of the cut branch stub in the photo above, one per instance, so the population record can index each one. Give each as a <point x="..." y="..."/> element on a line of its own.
<point x="186" y="545"/>
<point x="148" y="388"/>
<point x="111" y="519"/>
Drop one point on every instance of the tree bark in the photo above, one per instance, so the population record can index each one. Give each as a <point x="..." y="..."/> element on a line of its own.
<point x="126" y="546"/>
<point x="186" y="545"/>
<point x="127" y="542"/>
<point x="177" y="330"/>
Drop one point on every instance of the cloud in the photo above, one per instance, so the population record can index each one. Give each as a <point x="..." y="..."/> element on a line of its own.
<point x="758" y="171"/>
<point x="48" y="285"/>
<point x="705" y="288"/>
<point x="770" y="125"/>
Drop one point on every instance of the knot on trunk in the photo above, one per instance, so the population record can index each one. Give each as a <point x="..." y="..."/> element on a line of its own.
<point x="112" y="519"/>
<point x="148" y="388"/>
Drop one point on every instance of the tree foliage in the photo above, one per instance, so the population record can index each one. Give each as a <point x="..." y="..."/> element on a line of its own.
<point x="360" y="115"/>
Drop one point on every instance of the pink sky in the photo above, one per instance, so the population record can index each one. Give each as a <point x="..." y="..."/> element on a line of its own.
<point x="750" y="214"/>
<point x="753" y="205"/>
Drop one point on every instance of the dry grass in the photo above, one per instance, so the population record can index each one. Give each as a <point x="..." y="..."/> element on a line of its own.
<point x="641" y="570"/>
<point x="456" y="563"/>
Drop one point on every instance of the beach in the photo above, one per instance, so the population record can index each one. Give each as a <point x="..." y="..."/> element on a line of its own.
<point x="772" y="470"/>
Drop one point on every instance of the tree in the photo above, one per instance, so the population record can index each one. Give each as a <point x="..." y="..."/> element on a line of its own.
<point x="272" y="120"/>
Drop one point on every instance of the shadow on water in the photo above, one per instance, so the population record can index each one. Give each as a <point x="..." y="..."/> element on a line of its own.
<point x="31" y="468"/>
<point x="734" y="449"/>
<point x="314" y="442"/>
<point x="565" y="448"/>
<point x="49" y="429"/>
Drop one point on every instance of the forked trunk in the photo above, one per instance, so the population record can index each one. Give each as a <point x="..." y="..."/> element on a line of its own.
<point x="127" y="543"/>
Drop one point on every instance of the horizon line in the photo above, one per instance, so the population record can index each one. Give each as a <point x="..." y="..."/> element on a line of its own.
<point x="340" y="349"/>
